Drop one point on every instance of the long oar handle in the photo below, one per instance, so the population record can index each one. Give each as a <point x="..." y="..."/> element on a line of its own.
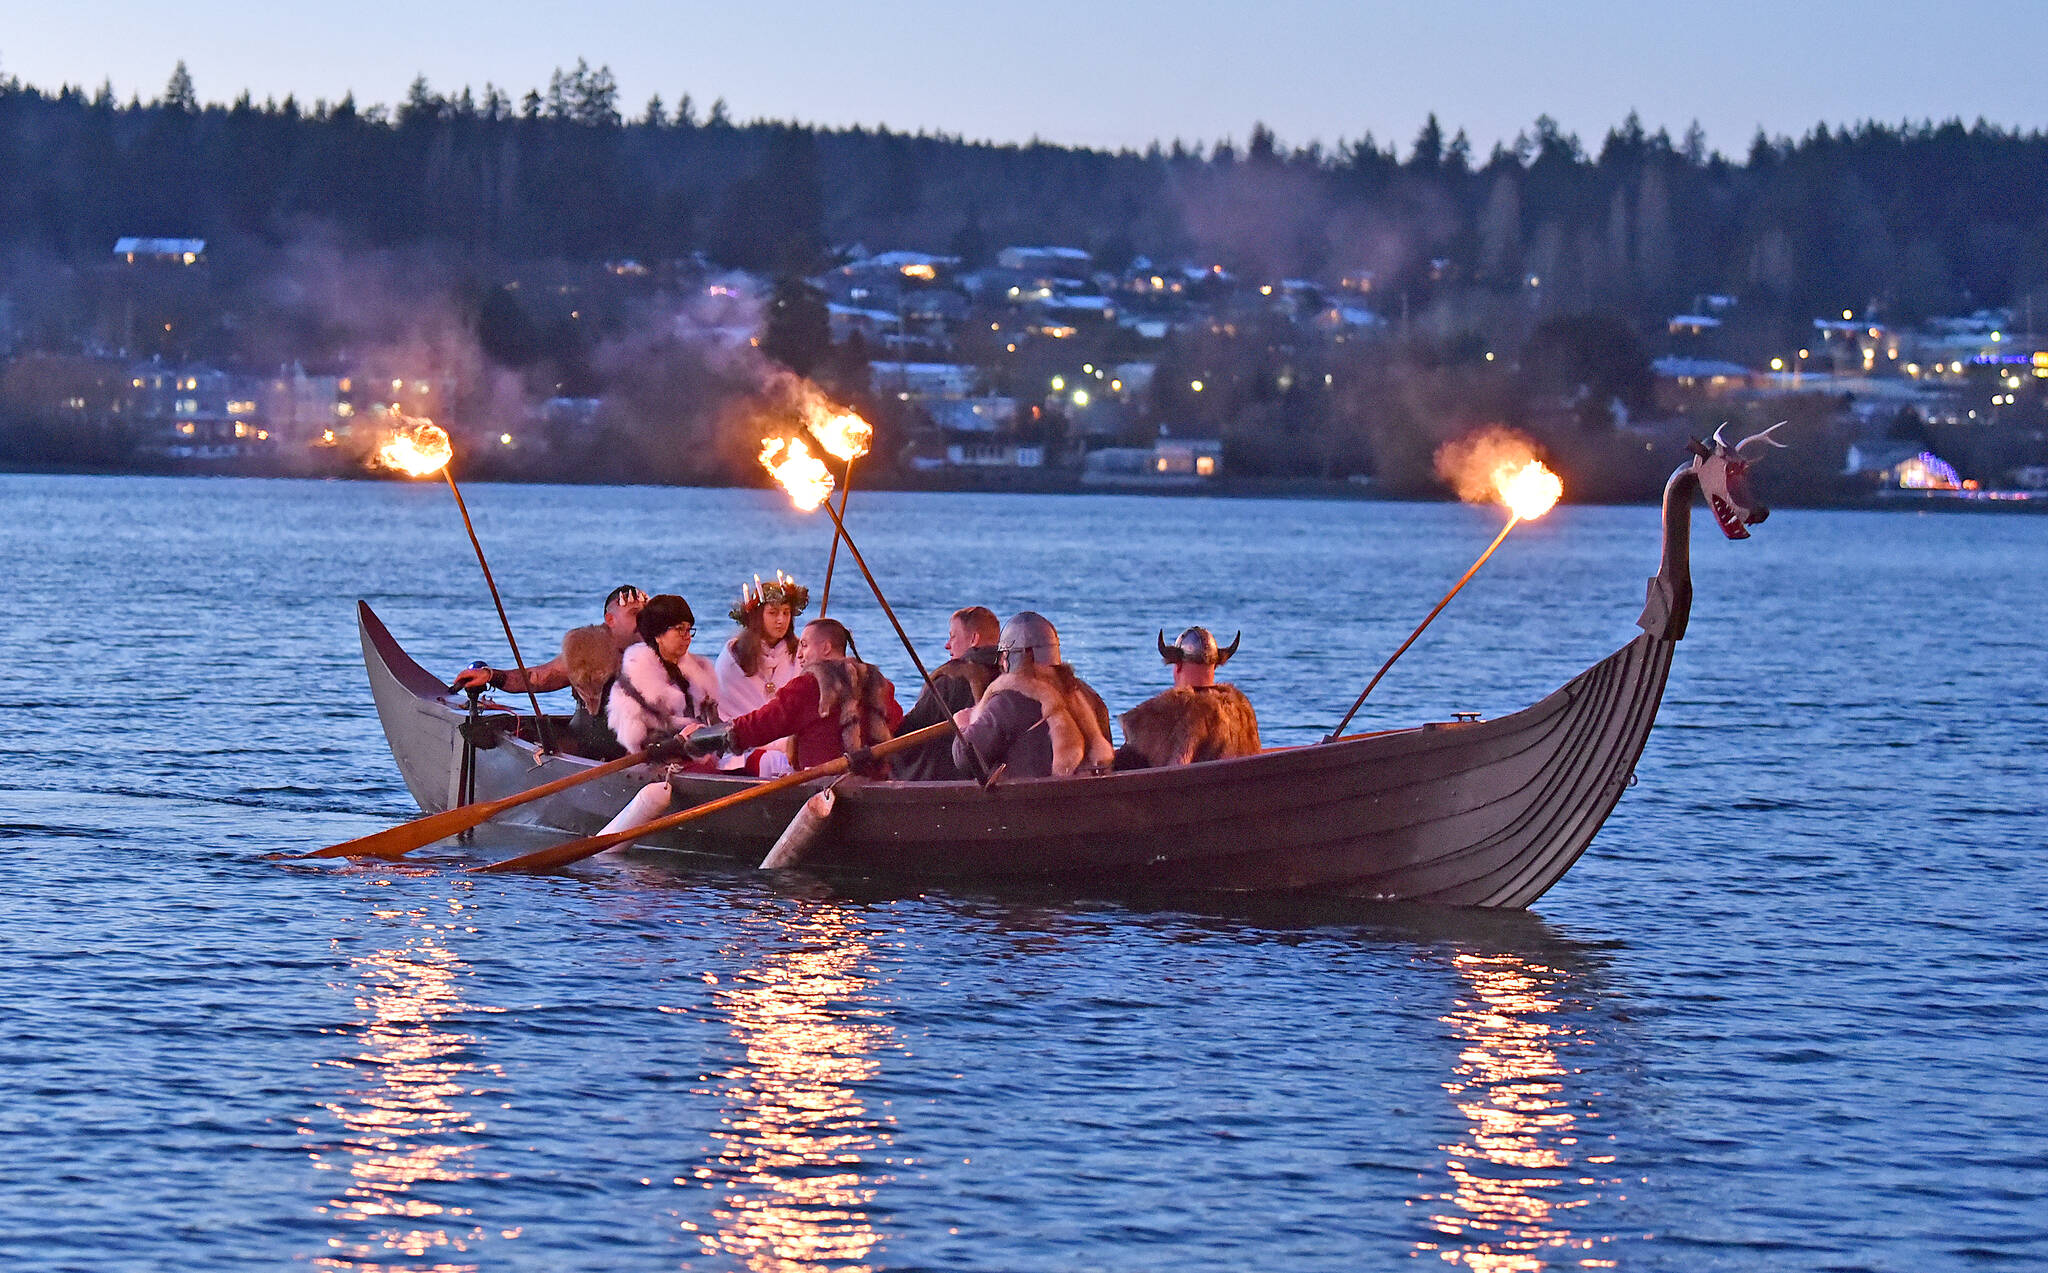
<point x="589" y="846"/>
<point x="395" y="842"/>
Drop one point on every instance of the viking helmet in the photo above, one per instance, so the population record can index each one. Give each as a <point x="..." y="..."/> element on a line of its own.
<point x="1033" y="632"/>
<point x="1196" y="645"/>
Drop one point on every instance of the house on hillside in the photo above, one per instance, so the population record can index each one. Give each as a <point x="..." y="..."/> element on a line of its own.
<point x="1903" y="466"/>
<point x="137" y="251"/>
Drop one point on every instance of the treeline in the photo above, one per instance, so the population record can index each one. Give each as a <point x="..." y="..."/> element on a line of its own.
<point x="1913" y="218"/>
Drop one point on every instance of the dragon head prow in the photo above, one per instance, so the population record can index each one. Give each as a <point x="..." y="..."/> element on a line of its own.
<point x="1723" y="473"/>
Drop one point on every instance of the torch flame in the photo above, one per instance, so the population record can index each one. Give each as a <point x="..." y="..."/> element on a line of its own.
<point x="843" y="433"/>
<point x="416" y="448"/>
<point x="1529" y="491"/>
<point x="802" y="474"/>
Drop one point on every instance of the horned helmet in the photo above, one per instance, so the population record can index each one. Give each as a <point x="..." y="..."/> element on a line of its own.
<point x="1197" y="645"/>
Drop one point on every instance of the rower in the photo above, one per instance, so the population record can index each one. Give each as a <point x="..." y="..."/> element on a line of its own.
<point x="836" y="705"/>
<point x="1200" y="718"/>
<point x="1037" y="719"/>
<point x="958" y="683"/>
<point x="621" y="614"/>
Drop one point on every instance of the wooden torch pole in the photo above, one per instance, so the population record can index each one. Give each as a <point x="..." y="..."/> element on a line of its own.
<point x="540" y="721"/>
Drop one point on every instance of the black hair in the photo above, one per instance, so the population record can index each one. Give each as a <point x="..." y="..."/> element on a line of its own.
<point x="662" y="613"/>
<point x="836" y="632"/>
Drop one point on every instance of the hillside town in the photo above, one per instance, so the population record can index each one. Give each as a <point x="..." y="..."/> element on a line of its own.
<point x="1049" y="368"/>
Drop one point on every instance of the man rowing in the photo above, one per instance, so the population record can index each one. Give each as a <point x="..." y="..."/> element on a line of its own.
<point x="1038" y="719"/>
<point x="621" y="617"/>
<point x="836" y="704"/>
<point x="1200" y="718"/>
<point x="961" y="680"/>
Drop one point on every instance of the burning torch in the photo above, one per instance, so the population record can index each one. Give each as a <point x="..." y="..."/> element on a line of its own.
<point x="1527" y="491"/>
<point x="418" y="448"/>
<point x="847" y="437"/>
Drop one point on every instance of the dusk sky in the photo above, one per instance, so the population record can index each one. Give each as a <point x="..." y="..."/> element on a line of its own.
<point x="1102" y="74"/>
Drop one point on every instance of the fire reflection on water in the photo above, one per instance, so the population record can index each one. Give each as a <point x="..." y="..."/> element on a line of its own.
<point x="407" y="1123"/>
<point x="1517" y="1174"/>
<point x="794" y="1145"/>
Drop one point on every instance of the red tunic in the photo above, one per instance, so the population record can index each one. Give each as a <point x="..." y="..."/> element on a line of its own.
<point x="793" y="713"/>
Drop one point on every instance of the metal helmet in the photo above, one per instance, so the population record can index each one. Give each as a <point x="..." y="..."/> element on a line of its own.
<point x="1196" y="645"/>
<point x="1033" y="632"/>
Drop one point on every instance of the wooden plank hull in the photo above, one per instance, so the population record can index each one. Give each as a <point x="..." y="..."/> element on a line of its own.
<point x="1483" y="814"/>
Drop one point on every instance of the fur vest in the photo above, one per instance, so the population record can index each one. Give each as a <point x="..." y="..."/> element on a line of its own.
<point x="858" y="696"/>
<point x="1074" y="717"/>
<point x="1182" y="726"/>
<point x="648" y="701"/>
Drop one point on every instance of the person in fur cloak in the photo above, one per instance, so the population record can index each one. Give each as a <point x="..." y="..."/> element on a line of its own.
<point x="1200" y="718"/>
<point x="837" y="705"/>
<point x="592" y="661"/>
<point x="621" y="619"/>
<point x="1037" y="719"/>
<point x="663" y="691"/>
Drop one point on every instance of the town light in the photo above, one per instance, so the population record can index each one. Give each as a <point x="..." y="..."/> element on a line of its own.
<point x="1195" y="385"/>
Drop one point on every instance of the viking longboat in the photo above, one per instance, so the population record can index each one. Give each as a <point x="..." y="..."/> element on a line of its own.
<point x="1467" y="813"/>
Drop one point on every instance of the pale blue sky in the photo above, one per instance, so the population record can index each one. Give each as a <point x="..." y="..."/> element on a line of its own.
<point x="1105" y="73"/>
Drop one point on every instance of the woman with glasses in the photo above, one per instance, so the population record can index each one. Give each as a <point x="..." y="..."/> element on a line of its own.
<point x="663" y="690"/>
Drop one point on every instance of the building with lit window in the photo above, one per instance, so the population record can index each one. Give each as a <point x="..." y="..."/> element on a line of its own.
<point x="195" y="412"/>
<point x="138" y="251"/>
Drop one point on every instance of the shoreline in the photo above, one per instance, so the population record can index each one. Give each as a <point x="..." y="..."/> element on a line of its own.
<point x="1214" y="488"/>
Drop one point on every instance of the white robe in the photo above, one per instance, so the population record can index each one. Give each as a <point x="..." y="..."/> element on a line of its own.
<point x="641" y="668"/>
<point x="739" y="693"/>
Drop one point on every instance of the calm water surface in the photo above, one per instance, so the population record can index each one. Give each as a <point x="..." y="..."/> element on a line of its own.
<point x="1786" y="1013"/>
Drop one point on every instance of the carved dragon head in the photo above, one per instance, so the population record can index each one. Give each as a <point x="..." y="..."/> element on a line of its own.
<point x="1723" y="474"/>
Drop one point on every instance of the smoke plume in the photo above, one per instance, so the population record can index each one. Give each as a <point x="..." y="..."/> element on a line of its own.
<point x="1468" y="465"/>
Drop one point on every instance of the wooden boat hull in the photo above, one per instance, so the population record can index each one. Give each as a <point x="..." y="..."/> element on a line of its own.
<point x="1487" y="813"/>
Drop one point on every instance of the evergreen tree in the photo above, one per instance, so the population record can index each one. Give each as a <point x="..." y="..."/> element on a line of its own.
<point x="798" y="332"/>
<point x="179" y="97"/>
<point x="1428" y="153"/>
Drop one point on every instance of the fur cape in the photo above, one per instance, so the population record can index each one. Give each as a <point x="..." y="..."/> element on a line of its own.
<point x="857" y="694"/>
<point x="1075" y="718"/>
<point x="646" y="701"/>
<point x="592" y="660"/>
<point x="1182" y="726"/>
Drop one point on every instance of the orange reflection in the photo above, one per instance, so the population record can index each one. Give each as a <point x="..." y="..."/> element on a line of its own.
<point x="796" y="1136"/>
<point x="405" y="1125"/>
<point x="1513" y="1177"/>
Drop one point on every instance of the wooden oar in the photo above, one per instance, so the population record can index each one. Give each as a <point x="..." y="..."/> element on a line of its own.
<point x="396" y="842"/>
<point x="591" y="845"/>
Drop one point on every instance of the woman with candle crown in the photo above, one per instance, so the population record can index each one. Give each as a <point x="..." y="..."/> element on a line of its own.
<point x="761" y="657"/>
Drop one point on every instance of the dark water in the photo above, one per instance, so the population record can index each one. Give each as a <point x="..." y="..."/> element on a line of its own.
<point x="1786" y="1014"/>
